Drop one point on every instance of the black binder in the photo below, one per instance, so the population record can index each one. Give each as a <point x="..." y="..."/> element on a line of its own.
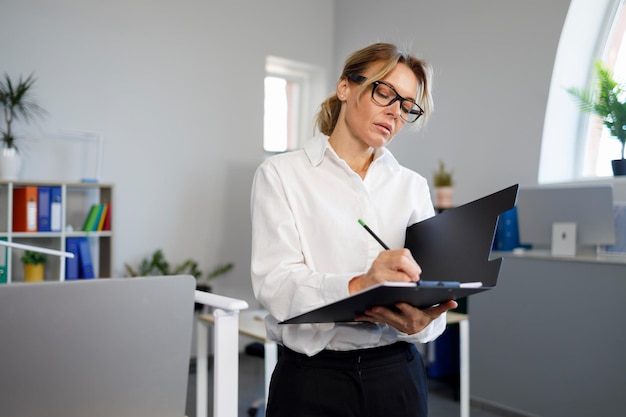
<point x="453" y="246"/>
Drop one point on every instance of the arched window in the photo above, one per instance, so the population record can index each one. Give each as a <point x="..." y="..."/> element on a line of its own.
<point x="600" y="147"/>
<point x="575" y="145"/>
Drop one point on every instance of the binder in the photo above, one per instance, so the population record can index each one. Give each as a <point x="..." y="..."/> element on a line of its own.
<point x="105" y="210"/>
<point x="43" y="209"/>
<point x="85" y="265"/>
<point x="25" y="209"/>
<point x="55" y="209"/>
<point x="452" y="249"/>
<point x="456" y="244"/>
<point x="91" y="218"/>
<point x="107" y="218"/>
<point x="3" y="262"/>
<point x="71" y="264"/>
<point x="94" y="227"/>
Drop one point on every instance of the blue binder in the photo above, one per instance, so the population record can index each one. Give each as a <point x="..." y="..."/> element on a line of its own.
<point x="43" y="209"/>
<point x="507" y="231"/>
<point x="55" y="209"/>
<point x="85" y="265"/>
<point x="71" y="264"/>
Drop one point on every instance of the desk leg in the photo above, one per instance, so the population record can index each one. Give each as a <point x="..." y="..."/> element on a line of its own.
<point x="226" y="363"/>
<point x="202" y="373"/>
<point x="271" y="357"/>
<point x="465" y="367"/>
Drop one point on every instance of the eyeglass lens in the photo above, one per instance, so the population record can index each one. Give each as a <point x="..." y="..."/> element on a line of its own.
<point x="384" y="95"/>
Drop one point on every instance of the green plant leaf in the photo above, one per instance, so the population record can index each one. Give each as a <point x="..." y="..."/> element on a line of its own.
<point x="607" y="99"/>
<point x="442" y="177"/>
<point x="17" y="104"/>
<point x="34" y="258"/>
<point x="158" y="265"/>
<point x="220" y="270"/>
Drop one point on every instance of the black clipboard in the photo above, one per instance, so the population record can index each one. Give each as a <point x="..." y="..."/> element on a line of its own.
<point x="385" y="294"/>
<point x="452" y="246"/>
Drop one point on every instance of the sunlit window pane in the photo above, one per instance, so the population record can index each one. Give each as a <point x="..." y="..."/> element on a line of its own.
<point x="601" y="148"/>
<point x="276" y="116"/>
<point x="292" y="91"/>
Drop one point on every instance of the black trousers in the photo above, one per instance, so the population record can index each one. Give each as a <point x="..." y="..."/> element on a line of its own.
<point x="388" y="381"/>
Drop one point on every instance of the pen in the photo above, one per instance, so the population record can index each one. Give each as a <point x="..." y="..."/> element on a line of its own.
<point x="362" y="223"/>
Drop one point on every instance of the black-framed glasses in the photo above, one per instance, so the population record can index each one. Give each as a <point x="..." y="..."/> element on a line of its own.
<point x="385" y="95"/>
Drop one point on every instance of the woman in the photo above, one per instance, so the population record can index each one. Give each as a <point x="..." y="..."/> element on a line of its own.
<point x="309" y="250"/>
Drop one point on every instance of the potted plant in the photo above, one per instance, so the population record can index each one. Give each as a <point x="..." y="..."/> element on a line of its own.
<point x="16" y="104"/>
<point x="444" y="187"/>
<point x="34" y="263"/>
<point x="607" y="100"/>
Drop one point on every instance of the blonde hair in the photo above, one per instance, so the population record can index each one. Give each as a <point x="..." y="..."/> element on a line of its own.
<point x="389" y="56"/>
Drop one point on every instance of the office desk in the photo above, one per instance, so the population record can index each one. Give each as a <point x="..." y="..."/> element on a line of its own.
<point x="251" y="324"/>
<point x="549" y="339"/>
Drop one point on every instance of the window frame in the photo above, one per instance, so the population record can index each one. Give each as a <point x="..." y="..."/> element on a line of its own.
<point x="595" y="138"/>
<point x="310" y="79"/>
<point x="564" y="132"/>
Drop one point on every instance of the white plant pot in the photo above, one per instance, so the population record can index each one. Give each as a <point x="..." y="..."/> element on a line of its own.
<point x="10" y="164"/>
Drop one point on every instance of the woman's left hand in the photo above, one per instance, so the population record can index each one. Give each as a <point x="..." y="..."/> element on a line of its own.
<point x="406" y="318"/>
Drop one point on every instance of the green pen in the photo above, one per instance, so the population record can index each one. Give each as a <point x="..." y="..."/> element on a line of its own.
<point x="362" y="223"/>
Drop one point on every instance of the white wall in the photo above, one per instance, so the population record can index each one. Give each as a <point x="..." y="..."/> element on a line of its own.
<point x="164" y="82"/>
<point x="176" y="87"/>
<point x="493" y="62"/>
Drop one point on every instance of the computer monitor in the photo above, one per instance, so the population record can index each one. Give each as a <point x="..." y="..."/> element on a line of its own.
<point x="590" y="207"/>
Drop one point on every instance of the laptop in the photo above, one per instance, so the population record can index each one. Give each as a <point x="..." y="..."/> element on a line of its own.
<point x="116" y="347"/>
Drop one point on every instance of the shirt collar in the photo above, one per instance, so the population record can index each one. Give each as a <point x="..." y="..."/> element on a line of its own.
<point x="318" y="147"/>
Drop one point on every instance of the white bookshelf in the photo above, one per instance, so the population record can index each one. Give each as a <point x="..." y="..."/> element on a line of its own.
<point x="76" y="200"/>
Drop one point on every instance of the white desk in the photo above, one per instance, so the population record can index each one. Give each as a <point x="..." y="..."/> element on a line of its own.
<point x="463" y="321"/>
<point x="251" y="324"/>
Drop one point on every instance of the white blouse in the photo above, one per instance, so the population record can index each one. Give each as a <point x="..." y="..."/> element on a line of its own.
<point x="307" y="243"/>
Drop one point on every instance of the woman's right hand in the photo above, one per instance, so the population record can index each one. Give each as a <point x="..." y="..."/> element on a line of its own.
<point x="391" y="265"/>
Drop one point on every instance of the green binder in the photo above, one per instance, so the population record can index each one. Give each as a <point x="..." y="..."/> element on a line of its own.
<point x="3" y="262"/>
<point x="92" y="218"/>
